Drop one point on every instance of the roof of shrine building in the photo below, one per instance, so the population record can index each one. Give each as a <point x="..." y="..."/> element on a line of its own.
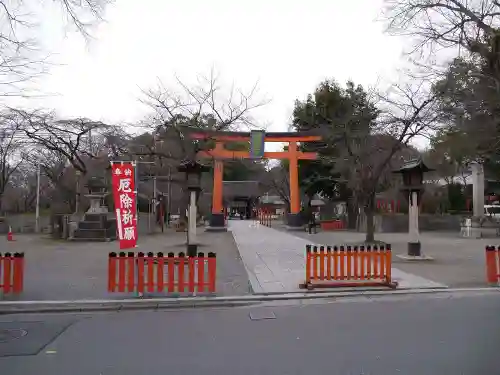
<point x="234" y="189"/>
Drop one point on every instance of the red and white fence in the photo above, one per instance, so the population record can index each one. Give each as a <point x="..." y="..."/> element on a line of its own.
<point x="11" y="273"/>
<point x="142" y="273"/>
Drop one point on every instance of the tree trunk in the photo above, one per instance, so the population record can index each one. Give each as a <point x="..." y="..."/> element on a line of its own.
<point x="184" y="204"/>
<point x="352" y="214"/>
<point x="369" y="212"/>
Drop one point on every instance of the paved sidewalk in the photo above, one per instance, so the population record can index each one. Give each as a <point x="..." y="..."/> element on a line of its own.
<point x="458" y="262"/>
<point x="275" y="260"/>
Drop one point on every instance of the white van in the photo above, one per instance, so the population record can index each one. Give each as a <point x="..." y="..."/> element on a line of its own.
<point x="492" y="211"/>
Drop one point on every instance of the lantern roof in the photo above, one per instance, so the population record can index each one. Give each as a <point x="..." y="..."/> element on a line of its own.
<point x="192" y="166"/>
<point x="413" y="165"/>
<point x="96" y="182"/>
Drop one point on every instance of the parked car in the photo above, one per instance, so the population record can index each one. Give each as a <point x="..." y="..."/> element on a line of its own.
<point x="492" y="211"/>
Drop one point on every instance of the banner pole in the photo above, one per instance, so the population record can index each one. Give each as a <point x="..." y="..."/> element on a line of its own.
<point x="135" y="164"/>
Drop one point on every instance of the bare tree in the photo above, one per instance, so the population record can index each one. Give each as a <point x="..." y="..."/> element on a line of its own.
<point x="61" y="179"/>
<point x="21" y="57"/>
<point x="277" y="182"/>
<point x="366" y="161"/>
<point x="112" y="141"/>
<point x="203" y="106"/>
<point x="20" y="194"/>
<point x="437" y="24"/>
<point x="469" y="88"/>
<point x="71" y="139"/>
<point x="11" y="148"/>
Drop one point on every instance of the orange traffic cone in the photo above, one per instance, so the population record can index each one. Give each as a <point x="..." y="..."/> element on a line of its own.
<point x="10" y="236"/>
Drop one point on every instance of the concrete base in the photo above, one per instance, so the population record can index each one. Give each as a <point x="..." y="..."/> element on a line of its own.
<point x="414" y="249"/>
<point x="412" y="258"/>
<point x="294" y="221"/>
<point x="296" y="229"/>
<point x="76" y="239"/>
<point x="217" y="220"/>
<point x="215" y="229"/>
<point x="216" y="223"/>
<point x="192" y="250"/>
<point x="476" y="231"/>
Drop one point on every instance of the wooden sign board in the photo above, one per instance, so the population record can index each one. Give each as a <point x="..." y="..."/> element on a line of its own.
<point x="257" y="144"/>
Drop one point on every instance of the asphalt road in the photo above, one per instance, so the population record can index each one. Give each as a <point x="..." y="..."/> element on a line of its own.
<point x="421" y="335"/>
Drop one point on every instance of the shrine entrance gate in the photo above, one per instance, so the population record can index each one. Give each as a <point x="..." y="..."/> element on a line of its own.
<point x="257" y="140"/>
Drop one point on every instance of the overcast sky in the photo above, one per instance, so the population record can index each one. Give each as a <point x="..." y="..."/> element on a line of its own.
<point x="288" y="46"/>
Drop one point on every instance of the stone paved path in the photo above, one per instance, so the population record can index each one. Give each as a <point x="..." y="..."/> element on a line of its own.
<point x="275" y="260"/>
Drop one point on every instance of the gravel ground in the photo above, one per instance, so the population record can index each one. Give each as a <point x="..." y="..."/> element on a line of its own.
<point x="61" y="270"/>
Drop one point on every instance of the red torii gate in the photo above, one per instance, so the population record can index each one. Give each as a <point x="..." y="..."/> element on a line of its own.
<point x="219" y="153"/>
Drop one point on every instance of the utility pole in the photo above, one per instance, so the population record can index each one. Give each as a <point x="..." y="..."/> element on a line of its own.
<point x="37" y="209"/>
<point x="169" y="193"/>
<point x="77" y="197"/>
<point x="154" y="195"/>
<point x="136" y="163"/>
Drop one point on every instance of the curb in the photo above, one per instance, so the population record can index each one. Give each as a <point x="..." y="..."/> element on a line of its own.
<point x="17" y="307"/>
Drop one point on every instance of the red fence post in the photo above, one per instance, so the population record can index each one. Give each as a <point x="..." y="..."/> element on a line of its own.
<point x="180" y="272"/>
<point x="369" y="262"/>
<point x="348" y="254"/>
<point x="191" y="274"/>
<point x="150" y="283"/>
<point x="355" y="260"/>
<point x="362" y="256"/>
<point x="160" y="270"/>
<point x="121" y="271"/>
<point x="201" y="272"/>
<point x="130" y="270"/>
<point x="212" y="271"/>
<point x="322" y="262"/>
<point x="335" y="255"/>
<point x="329" y="263"/>
<point x="342" y="262"/>
<point x="7" y="270"/>
<point x="18" y="281"/>
<point x="388" y="263"/>
<point x="171" y="272"/>
<point x="376" y="260"/>
<point x="314" y="256"/>
<point x="491" y="265"/>
<point x="111" y="272"/>
<point x="308" y="263"/>
<point x="381" y="258"/>
<point x="498" y="264"/>
<point x="140" y="272"/>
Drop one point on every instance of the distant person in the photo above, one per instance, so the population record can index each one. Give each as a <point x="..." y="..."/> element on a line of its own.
<point x="312" y="223"/>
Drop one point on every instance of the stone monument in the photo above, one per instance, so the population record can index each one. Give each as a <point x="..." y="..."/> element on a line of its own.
<point x="96" y="224"/>
<point x="97" y="194"/>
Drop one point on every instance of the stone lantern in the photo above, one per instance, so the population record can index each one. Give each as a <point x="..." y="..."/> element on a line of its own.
<point x="193" y="171"/>
<point x="97" y="192"/>
<point x="412" y="172"/>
